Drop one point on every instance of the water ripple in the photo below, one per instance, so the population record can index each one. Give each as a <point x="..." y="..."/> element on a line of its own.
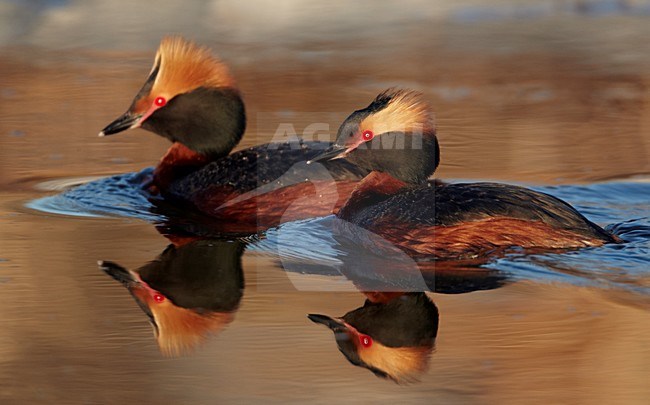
<point x="619" y="206"/>
<point x="115" y="196"/>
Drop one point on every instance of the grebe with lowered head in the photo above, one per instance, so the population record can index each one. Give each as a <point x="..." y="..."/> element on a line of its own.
<point x="395" y="138"/>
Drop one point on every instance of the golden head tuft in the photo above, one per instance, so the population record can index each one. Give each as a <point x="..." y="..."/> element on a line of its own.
<point x="185" y="66"/>
<point x="402" y="111"/>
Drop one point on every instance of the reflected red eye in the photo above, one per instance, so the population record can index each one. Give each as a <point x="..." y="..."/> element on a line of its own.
<point x="158" y="297"/>
<point x="368" y="135"/>
<point x="365" y="340"/>
<point x="160" y="101"/>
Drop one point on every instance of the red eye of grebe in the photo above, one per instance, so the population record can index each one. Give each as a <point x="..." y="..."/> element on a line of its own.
<point x="158" y="298"/>
<point x="365" y="340"/>
<point x="368" y="135"/>
<point x="160" y="101"/>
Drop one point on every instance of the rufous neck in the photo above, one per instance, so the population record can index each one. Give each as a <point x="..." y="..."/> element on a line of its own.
<point x="374" y="188"/>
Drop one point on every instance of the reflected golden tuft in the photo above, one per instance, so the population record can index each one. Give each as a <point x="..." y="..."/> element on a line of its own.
<point x="401" y="364"/>
<point x="180" y="330"/>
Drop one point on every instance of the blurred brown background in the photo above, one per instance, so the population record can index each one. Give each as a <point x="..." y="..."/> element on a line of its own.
<point x="548" y="92"/>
